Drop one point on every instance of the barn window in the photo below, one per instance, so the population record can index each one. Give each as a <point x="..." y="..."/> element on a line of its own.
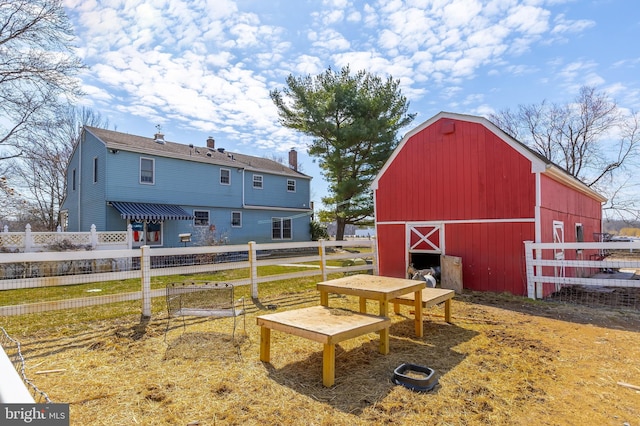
<point x="579" y="236"/>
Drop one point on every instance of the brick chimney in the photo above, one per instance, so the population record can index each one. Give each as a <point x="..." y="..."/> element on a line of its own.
<point x="293" y="159"/>
<point x="211" y="143"/>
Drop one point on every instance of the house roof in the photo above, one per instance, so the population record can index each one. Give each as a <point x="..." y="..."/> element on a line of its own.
<point x="148" y="145"/>
<point x="539" y="163"/>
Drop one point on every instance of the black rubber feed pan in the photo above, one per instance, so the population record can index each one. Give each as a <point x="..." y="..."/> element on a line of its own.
<point x="415" y="377"/>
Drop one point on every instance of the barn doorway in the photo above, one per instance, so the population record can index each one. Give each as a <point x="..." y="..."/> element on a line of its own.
<point x="425" y="261"/>
<point x="424" y="241"/>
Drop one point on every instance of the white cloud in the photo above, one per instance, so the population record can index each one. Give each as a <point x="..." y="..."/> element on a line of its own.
<point x="563" y="25"/>
<point x="209" y="64"/>
<point x="330" y="40"/>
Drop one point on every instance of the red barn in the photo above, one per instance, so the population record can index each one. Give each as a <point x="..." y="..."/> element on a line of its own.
<point x="458" y="185"/>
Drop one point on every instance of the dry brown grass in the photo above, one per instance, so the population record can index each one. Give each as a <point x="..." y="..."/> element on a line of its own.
<point x="503" y="360"/>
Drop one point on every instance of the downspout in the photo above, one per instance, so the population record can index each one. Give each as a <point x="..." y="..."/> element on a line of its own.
<point x="243" y="205"/>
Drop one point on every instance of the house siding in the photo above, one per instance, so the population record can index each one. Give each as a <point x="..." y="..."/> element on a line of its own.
<point x="193" y="185"/>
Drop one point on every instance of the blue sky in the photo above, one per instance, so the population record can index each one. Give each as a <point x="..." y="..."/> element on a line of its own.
<point x="205" y="67"/>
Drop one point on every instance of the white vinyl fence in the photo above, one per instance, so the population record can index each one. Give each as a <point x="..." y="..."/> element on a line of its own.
<point x="28" y="241"/>
<point x="20" y="271"/>
<point x="550" y="266"/>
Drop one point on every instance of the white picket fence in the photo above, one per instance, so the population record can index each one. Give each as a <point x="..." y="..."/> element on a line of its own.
<point x="28" y="241"/>
<point x="557" y="264"/>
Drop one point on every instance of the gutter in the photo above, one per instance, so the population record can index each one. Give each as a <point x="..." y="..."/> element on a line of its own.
<point x="563" y="177"/>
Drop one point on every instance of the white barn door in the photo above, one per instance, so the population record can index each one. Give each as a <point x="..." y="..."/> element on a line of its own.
<point x="425" y="238"/>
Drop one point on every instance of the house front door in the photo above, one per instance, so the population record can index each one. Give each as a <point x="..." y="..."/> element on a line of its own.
<point x="146" y="233"/>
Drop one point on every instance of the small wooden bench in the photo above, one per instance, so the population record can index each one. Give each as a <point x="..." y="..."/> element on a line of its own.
<point x="203" y="299"/>
<point x="320" y="324"/>
<point x="430" y="297"/>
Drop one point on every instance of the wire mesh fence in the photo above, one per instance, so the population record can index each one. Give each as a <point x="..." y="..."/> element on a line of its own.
<point x="598" y="297"/>
<point x="566" y="273"/>
<point x="38" y="282"/>
<point x="13" y="351"/>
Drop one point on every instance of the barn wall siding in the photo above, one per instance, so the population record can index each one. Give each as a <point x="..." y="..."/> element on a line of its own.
<point x="469" y="173"/>
<point x="492" y="254"/>
<point x="482" y="186"/>
<point x="391" y="239"/>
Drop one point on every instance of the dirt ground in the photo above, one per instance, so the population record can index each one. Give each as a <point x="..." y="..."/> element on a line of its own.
<point x="503" y="360"/>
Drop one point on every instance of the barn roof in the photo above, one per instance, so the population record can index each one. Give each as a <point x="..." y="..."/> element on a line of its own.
<point x="146" y="145"/>
<point x="539" y="163"/>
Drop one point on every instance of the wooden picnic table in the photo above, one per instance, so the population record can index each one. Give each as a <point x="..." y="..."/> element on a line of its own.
<point x="382" y="289"/>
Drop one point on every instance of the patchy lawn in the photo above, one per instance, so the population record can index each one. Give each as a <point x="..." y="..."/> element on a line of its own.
<point x="503" y="360"/>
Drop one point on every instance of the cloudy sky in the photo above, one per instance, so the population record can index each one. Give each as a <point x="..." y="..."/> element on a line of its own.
<point x="205" y="68"/>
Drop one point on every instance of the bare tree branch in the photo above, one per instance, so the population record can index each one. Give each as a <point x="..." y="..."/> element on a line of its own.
<point x="591" y="138"/>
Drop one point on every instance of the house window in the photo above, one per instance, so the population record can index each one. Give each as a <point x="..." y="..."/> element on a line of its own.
<point x="225" y="177"/>
<point x="200" y="218"/>
<point x="73" y="179"/>
<point x="236" y="219"/>
<point x="257" y="181"/>
<point x="95" y="169"/>
<point x="579" y="233"/>
<point x="291" y="185"/>
<point x="147" y="172"/>
<point x="280" y="228"/>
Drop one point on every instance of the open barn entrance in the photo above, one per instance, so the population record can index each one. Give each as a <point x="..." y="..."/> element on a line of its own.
<point x="425" y="246"/>
<point x="425" y="261"/>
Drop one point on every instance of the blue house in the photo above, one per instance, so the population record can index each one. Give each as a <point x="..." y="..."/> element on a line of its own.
<point x="164" y="189"/>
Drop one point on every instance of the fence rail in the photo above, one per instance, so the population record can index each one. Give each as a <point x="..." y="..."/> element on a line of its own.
<point x="28" y="241"/>
<point x="43" y="271"/>
<point x="550" y="266"/>
<point x="21" y="271"/>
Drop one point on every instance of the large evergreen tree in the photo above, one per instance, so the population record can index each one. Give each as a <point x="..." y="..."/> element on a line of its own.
<point x="353" y="120"/>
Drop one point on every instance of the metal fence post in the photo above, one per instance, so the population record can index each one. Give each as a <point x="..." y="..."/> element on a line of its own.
<point x="253" y="268"/>
<point x="145" y="272"/>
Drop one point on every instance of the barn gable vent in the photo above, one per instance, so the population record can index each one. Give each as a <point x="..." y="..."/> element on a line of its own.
<point x="447" y="127"/>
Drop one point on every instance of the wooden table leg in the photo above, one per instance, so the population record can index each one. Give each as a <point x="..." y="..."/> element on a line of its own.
<point x="324" y="298"/>
<point x="396" y="308"/>
<point x="328" y="364"/>
<point x="265" y="344"/>
<point x="384" y="333"/>
<point x="363" y="305"/>
<point x="447" y="310"/>
<point x="418" y="313"/>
